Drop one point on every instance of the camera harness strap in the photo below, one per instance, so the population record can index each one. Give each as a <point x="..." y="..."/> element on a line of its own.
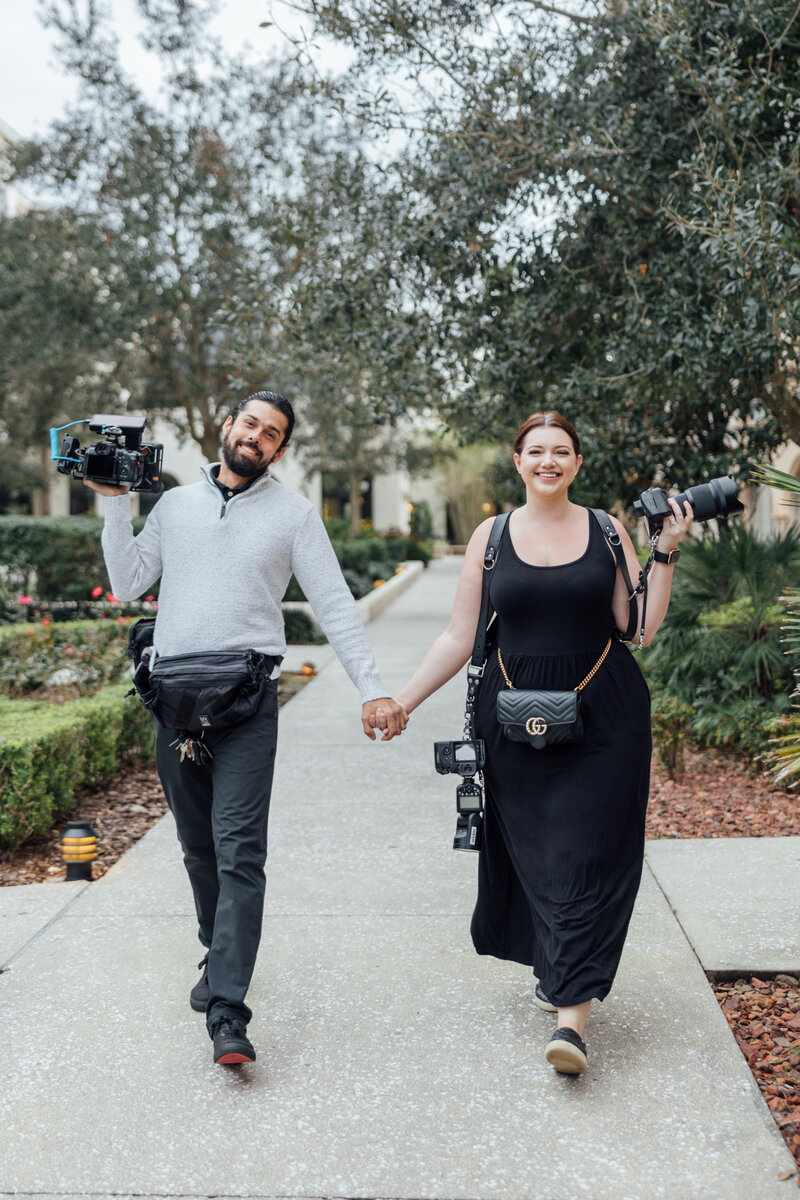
<point x="613" y="539"/>
<point x="478" y="661"/>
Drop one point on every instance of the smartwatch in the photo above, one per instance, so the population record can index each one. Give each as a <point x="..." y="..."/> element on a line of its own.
<point x="670" y="558"/>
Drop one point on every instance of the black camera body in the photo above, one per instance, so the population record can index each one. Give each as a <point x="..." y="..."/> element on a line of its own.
<point x="717" y="498"/>
<point x="466" y="759"/>
<point x="121" y="459"/>
<point x="459" y="758"/>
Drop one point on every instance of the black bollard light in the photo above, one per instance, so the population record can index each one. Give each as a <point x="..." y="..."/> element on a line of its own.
<point x="79" y="849"/>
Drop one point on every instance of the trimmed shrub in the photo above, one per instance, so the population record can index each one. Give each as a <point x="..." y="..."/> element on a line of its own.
<point x="58" y="558"/>
<point x="48" y="751"/>
<point x="73" y="658"/>
<point x="300" y="629"/>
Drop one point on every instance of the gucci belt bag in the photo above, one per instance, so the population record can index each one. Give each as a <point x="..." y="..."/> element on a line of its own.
<point x="543" y="718"/>
<point x="195" y="692"/>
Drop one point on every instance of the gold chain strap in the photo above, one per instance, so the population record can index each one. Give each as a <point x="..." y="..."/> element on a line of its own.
<point x="583" y="682"/>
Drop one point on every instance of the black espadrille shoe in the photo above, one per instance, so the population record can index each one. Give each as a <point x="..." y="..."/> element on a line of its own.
<point x="542" y="1001"/>
<point x="566" y="1052"/>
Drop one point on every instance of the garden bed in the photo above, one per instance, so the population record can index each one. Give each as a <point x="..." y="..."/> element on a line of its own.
<point x="764" y="1016"/>
<point x="121" y="812"/>
<point x="719" y="795"/>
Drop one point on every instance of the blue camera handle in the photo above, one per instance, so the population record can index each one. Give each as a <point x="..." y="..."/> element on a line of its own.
<point x="54" y="447"/>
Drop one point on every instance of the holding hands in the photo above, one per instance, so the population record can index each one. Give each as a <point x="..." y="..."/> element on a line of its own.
<point x="387" y="715"/>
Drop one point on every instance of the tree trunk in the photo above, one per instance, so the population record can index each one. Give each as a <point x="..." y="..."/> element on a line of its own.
<point x="355" y="505"/>
<point x="46" y="463"/>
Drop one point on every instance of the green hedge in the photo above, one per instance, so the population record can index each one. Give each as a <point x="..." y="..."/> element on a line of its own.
<point x="48" y="751"/>
<point x="64" y="557"/>
<point x="365" y="559"/>
<point x="62" y="554"/>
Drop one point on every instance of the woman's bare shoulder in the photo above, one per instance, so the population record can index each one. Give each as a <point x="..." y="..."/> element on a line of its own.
<point x="476" y="547"/>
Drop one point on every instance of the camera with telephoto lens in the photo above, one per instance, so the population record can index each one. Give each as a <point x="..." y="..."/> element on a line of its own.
<point x="459" y="758"/>
<point x="120" y="459"/>
<point x="717" y="498"/>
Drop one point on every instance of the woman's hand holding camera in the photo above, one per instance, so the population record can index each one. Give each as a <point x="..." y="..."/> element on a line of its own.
<point x="675" y="528"/>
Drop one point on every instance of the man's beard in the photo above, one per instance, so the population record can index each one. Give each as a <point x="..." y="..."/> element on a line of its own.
<point x="246" y="466"/>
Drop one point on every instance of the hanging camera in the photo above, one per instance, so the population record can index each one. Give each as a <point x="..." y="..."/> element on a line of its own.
<point x="122" y="459"/>
<point x="459" y="758"/>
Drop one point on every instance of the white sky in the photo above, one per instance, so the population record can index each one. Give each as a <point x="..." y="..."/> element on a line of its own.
<point x="34" y="89"/>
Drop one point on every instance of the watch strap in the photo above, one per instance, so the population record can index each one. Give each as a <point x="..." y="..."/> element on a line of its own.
<point x="669" y="558"/>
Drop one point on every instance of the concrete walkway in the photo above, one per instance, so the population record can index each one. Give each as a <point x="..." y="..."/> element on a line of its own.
<point x="393" y="1062"/>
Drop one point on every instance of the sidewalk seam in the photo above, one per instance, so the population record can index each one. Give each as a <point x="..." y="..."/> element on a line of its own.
<point x="674" y="912"/>
<point x="56" y="917"/>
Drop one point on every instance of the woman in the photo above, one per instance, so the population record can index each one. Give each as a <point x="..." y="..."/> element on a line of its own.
<point x="564" y="826"/>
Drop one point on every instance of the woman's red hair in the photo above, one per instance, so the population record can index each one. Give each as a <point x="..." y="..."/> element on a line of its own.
<point x="537" y="420"/>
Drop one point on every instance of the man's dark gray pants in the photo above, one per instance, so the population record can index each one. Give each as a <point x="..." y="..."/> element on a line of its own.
<point x="221" y="810"/>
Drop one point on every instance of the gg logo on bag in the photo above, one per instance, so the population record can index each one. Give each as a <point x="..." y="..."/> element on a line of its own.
<point x="536" y="726"/>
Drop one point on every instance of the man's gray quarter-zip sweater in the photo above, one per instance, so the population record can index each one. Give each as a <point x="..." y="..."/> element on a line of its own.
<point x="224" y="567"/>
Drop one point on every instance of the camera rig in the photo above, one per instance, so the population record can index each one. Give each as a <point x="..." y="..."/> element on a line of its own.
<point x="120" y="459"/>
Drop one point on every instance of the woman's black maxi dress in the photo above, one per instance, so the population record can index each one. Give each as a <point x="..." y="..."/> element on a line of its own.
<point x="564" y="826"/>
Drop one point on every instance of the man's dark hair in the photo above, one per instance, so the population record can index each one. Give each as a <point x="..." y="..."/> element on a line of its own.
<point x="277" y="401"/>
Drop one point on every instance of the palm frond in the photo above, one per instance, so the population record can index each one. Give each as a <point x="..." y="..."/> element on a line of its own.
<point x="771" y="477"/>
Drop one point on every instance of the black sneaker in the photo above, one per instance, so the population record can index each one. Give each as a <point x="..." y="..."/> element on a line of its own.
<point x="542" y="1001"/>
<point x="231" y="1044"/>
<point x="566" y="1052"/>
<point x="198" y="996"/>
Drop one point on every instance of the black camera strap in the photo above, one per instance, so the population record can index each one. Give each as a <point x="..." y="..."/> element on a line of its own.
<point x="478" y="660"/>
<point x="613" y="539"/>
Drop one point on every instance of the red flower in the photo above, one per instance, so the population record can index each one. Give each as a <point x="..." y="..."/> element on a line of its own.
<point x="97" y="592"/>
<point x="26" y="599"/>
<point x="111" y="598"/>
<point x="45" y="622"/>
<point x="69" y="649"/>
<point x="149" y="597"/>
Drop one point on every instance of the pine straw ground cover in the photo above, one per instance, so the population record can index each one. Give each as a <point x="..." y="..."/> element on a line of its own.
<point x="719" y="795"/>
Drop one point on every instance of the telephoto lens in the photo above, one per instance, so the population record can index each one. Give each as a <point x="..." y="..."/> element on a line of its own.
<point x="717" y="498"/>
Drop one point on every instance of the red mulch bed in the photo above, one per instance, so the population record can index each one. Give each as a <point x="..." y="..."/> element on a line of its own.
<point x="719" y="795"/>
<point x="764" y="1016"/>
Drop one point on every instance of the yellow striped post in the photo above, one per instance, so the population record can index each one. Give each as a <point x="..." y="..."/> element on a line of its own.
<point x="79" y="849"/>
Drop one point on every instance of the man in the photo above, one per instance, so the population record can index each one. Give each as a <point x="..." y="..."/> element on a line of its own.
<point x="225" y="549"/>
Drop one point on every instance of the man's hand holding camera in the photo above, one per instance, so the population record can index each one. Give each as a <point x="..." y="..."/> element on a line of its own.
<point x="105" y="489"/>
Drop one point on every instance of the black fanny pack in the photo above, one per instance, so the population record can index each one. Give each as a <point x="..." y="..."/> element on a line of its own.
<point x="195" y="692"/>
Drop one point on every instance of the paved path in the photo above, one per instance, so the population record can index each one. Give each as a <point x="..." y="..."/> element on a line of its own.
<point x="393" y="1062"/>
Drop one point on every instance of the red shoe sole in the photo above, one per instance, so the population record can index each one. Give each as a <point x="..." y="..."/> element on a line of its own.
<point x="233" y="1058"/>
